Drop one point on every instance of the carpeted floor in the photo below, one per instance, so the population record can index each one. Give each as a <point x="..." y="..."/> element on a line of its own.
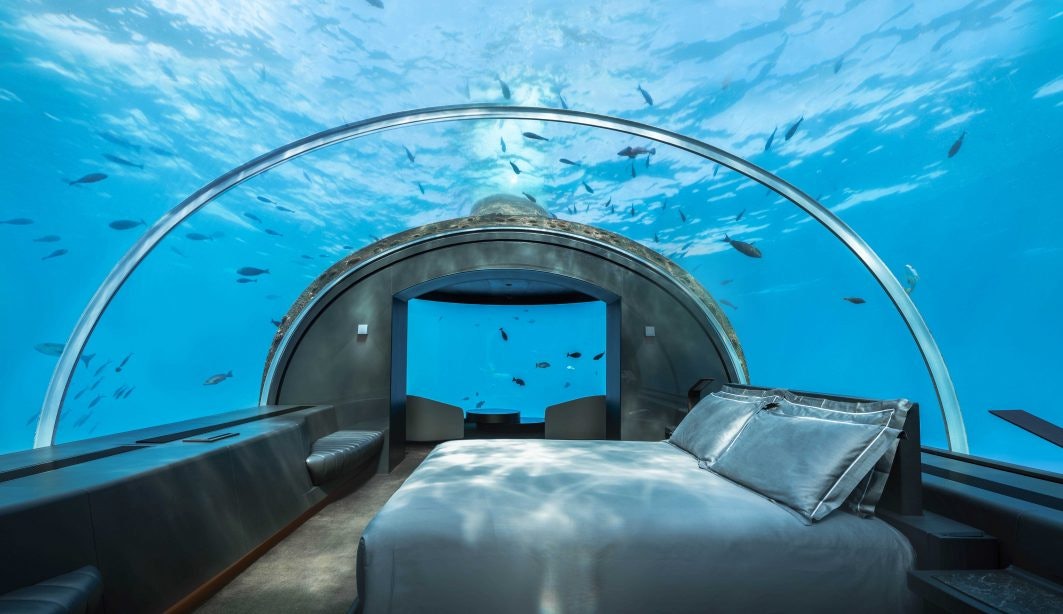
<point x="313" y="569"/>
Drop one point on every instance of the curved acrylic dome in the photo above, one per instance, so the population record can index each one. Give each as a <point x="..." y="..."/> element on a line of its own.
<point x="599" y="168"/>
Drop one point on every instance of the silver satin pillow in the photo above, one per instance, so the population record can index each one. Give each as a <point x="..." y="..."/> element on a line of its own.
<point x="712" y="424"/>
<point x="807" y="464"/>
<point x="868" y="492"/>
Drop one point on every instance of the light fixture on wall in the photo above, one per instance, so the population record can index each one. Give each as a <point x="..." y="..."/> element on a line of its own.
<point x="363" y="330"/>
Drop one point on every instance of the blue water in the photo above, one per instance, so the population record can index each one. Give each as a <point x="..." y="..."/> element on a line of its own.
<point x="458" y="355"/>
<point x="176" y="93"/>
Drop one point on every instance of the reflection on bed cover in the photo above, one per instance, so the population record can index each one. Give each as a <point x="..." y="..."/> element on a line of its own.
<point x="612" y="526"/>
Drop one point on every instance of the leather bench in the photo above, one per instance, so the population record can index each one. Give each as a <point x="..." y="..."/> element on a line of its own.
<point x="341" y="454"/>
<point x="77" y="592"/>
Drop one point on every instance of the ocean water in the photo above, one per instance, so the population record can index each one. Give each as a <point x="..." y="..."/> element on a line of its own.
<point x="862" y="105"/>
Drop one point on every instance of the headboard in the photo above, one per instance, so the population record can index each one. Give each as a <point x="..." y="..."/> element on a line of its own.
<point x="904" y="488"/>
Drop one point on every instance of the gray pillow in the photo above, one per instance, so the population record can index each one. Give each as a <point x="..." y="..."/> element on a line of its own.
<point x="713" y="423"/>
<point x="807" y="464"/>
<point x="868" y="492"/>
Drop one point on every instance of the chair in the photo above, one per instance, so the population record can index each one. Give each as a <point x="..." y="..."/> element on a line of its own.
<point x="428" y="420"/>
<point x="582" y="418"/>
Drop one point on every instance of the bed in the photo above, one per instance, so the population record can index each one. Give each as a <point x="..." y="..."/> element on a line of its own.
<point x="612" y="526"/>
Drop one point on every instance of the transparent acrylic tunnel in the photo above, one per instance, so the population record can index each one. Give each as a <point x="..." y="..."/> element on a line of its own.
<point x="190" y="329"/>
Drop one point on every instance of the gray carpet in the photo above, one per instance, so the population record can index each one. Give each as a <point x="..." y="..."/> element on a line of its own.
<point x="313" y="569"/>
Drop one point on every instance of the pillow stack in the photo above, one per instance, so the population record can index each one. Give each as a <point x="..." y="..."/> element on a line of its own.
<point x="808" y="453"/>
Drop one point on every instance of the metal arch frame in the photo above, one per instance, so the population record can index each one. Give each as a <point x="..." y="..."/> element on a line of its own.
<point x="90" y="317"/>
<point x="282" y="355"/>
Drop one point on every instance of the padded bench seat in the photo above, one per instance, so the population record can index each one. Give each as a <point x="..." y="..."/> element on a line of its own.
<point x="77" y="592"/>
<point x="342" y="453"/>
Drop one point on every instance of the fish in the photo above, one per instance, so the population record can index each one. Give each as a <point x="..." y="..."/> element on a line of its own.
<point x="252" y="217"/>
<point x="856" y="300"/>
<point x="648" y="161"/>
<point x="632" y="209"/>
<point x="955" y="149"/>
<point x="528" y="196"/>
<point x="56" y="254"/>
<point x="480" y="404"/>
<point x="126" y="224"/>
<point x="17" y="221"/>
<point x="277" y="323"/>
<point x="767" y="144"/>
<point x="464" y="398"/>
<point x="542" y="365"/>
<point x="50" y="349"/>
<point x="656" y="239"/>
<point x="265" y="200"/>
<point x="217" y="378"/>
<point x="90" y="178"/>
<point x="598" y="356"/>
<point x="747" y="249"/>
<point x="161" y="152"/>
<point x="564" y="103"/>
<point x="567" y="384"/>
<point x="728" y="303"/>
<point x="726" y="282"/>
<point x="589" y="189"/>
<point x="129" y="392"/>
<point x="612" y="209"/>
<point x="631" y="152"/>
<point x="838" y="65"/>
<point x="716" y="170"/>
<point x="123" y="161"/>
<point x="376" y="3"/>
<point x="505" y="337"/>
<point x="633" y="173"/>
<point x="682" y="216"/>
<point x="502" y="141"/>
<point x="420" y="187"/>
<point x="570" y="162"/>
<point x="515" y="168"/>
<point x="113" y="138"/>
<point x="307" y="177"/>
<point x="738" y="218"/>
<point x="102" y="367"/>
<point x="118" y="391"/>
<point x="645" y="95"/>
<point x="80" y="393"/>
<point x="574" y="354"/>
<point x="505" y="88"/>
<point x="608" y="202"/>
<point x="518" y="381"/>
<point x="272" y="232"/>
<point x="198" y="236"/>
<point x="284" y="209"/>
<point x="409" y="154"/>
<point x="93" y="402"/>
<point x="792" y="130"/>
<point x="250" y="271"/>
<point x="244" y="280"/>
<point x="95" y="384"/>
<point x="912" y="278"/>
<point x="118" y="369"/>
<point x="534" y="137"/>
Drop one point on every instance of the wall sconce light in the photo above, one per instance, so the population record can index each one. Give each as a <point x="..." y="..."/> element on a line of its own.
<point x="363" y="330"/>
<point x="651" y="331"/>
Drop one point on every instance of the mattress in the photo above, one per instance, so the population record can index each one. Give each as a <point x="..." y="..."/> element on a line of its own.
<point x="612" y="526"/>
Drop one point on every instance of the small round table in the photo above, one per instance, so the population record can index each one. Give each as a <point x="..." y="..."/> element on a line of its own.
<point x="493" y="415"/>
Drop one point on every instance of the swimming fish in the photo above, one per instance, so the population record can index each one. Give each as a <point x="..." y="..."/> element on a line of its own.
<point x="118" y="391"/>
<point x="118" y="369"/>
<point x="856" y="300"/>
<point x="284" y="209"/>
<point x="102" y="367"/>
<point x="505" y="337"/>
<point x="608" y="202"/>
<point x="17" y="221"/>
<point x="567" y="161"/>
<point x="250" y="271"/>
<point x="528" y="196"/>
<point x="198" y="236"/>
<point x="123" y="161"/>
<point x="93" y="402"/>
<point x="645" y="95"/>
<point x="682" y="216"/>
<point x="747" y="249"/>
<point x="82" y="420"/>
<point x="420" y="187"/>
<point x="505" y="88"/>
<point x="767" y="144"/>
<point x="244" y="280"/>
<point x="738" y="218"/>
<point x="726" y="282"/>
<point x="111" y="137"/>
<point x="573" y="354"/>
<point x="80" y="393"/>
<point x="631" y="152"/>
<point x="126" y="224"/>
<point x="716" y="170"/>
<point x="793" y="129"/>
<point x="270" y="231"/>
<point x="277" y="323"/>
<point x="129" y="392"/>
<point x="217" y="378"/>
<point x="252" y="217"/>
<point x="534" y="137"/>
<point x="633" y="174"/>
<point x="95" y="384"/>
<point x="480" y="404"/>
<point x="728" y="303"/>
<point x="56" y="254"/>
<point x="567" y="384"/>
<point x="518" y="381"/>
<point x="956" y="146"/>
<point x="502" y="142"/>
<point x="377" y="3"/>
<point x="409" y="154"/>
<point x="589" y="189"/>
<point x="265" y="200"/>
<point x="912" y="278"/>
<point x="515" y="168"/>
<point x="162" y="152"/>
<point x="838" y="65"/>
<point x="598" y="356"/>
<point x="90" y="178"/>
<point x="632" y="210"/>
<point x="542" y="365"/>
<point x="49" y="349"/>
<point x="656" y="239"/>
<point x="564" y="104"/>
